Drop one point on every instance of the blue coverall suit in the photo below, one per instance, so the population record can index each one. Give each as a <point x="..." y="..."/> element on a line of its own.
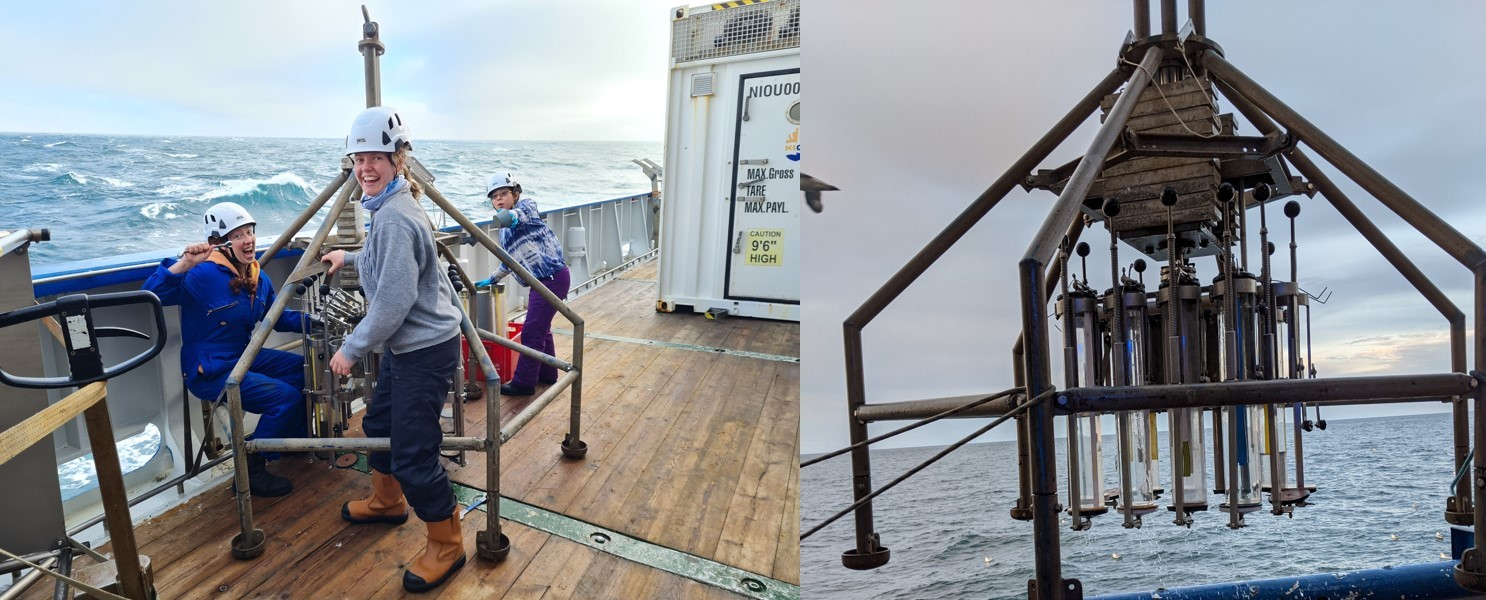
<point x="216" y="326"/>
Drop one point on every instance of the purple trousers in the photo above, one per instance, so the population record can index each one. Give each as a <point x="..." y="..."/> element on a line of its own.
<point x="536" y="332"/>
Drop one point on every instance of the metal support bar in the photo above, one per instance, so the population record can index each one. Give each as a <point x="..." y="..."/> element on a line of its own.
<point x="1185" y="145"/>
<point x="1142" y="28"/>
<point x="305" y="216"/>
<point x="1462" y="500"/>
<point x="523" y="350"/>
<point x="866" y="542"/>
<point x="999" y="404"/>
<point x="977" y="401"/>
<point x="351" y="444"/>
<point x="1168" y="16"/>
<point x="573" y="445"/>
<point x="1458" y="246"/>
<point x="1047" y="552"/>
<point x="1047" y="240"/>
<point x="1023" y="509"/>
<point x="1400" y="388"/>
<point x="1197" y="13"/>
<point x="530" y="412"/>
<point x="1047" y="555"/>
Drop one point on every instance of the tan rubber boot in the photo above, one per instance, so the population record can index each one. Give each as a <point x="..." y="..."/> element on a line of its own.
<point x="386" y="504"/>
<point x="443" y="557"/>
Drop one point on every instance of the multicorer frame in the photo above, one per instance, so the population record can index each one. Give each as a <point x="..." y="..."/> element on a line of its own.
<point x="334" y="303"/>
<point x="1167" y="174"/>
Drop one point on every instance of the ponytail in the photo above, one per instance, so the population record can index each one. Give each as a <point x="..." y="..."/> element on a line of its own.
<point x="401" y="159"/>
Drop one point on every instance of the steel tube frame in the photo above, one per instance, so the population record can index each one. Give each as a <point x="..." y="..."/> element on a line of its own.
<point x="1458" y="246"/>
<point x="522" y="349"/>
<point x="305" y="216"/>
<point x="905" y="276"/>
<point x="250" y="538"/>
<point x="924" y="409"/>
<point x="1022" y="511"/>
<point x="1142" y="28"/>
<point x="1462" y="501"/>
<point x="1047" y="553"/>
<point x="1471" y="571"/>
<point x="1401" y="388"/>
<point x="572" y="441"/>
<point x="378" y="444"/>
<point x="536" y="406"/>
<point x="1168" y="16"/>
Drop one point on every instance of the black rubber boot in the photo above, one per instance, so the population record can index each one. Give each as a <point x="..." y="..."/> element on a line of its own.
<point x="511" y="389"/>
<point x="264" y="484"/>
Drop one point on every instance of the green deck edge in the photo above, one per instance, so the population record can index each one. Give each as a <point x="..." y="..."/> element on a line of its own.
<point x="670" y="560"/>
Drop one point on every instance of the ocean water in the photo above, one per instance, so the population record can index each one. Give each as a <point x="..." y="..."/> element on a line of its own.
<point x="107" y="195"/>
<point x="1382" y="485"/>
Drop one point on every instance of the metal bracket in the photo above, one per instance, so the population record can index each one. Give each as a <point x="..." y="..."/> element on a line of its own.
<point x="1072" y="589"/>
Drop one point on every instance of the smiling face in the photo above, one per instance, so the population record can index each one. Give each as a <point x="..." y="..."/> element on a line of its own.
<point x="244" y="240"/>
<point x="503" y="198"/>
<point x="374" y="170"/>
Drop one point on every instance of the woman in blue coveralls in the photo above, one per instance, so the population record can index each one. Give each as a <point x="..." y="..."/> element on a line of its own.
<point x="221" y="302"/>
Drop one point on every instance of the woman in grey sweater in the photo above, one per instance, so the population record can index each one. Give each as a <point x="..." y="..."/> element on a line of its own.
<point x="412" y="316"/>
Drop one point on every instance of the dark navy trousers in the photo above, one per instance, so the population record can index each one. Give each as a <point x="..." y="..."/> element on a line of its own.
<point x="536" y="332"/>
<point x="272" y="389"/>
<point x="411" y="389"/>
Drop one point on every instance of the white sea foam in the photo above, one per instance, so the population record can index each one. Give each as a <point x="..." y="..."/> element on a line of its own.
<point x="159" y="210"/>
<point x="120" y="183"/>
<point x="182" y="155"/>
<point x="236" y="187"/>
<point x="42" y="167"/>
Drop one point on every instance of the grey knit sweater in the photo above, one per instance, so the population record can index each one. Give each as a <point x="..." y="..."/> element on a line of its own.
<point x="411" y="300"/>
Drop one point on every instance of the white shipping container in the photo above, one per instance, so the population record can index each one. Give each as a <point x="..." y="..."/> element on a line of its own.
<point x="731" y="202"/>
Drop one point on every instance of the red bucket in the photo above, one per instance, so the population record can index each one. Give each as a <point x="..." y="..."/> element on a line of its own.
<point x="505" y="360"/>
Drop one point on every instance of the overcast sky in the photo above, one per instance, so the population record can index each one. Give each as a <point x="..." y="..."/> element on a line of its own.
<point x="913" y="113"/>
<point x="477" y="69"/>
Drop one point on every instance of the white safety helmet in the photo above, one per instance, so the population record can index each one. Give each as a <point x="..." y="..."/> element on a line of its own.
<point x="378" y="129"/>
<point x="501" y="180"/>
<point x="222" y="218"/>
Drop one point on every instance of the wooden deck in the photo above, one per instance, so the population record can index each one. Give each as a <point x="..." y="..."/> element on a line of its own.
<point x="692" y="450"/>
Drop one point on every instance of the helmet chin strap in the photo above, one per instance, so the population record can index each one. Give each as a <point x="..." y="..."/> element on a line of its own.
<point x="230" y="251"/>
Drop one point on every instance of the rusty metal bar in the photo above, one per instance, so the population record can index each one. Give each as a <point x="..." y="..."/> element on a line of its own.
<point x="1199" y="395"/>
<point x="1168" y="16"/>
<point x="1197" y="12"/>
